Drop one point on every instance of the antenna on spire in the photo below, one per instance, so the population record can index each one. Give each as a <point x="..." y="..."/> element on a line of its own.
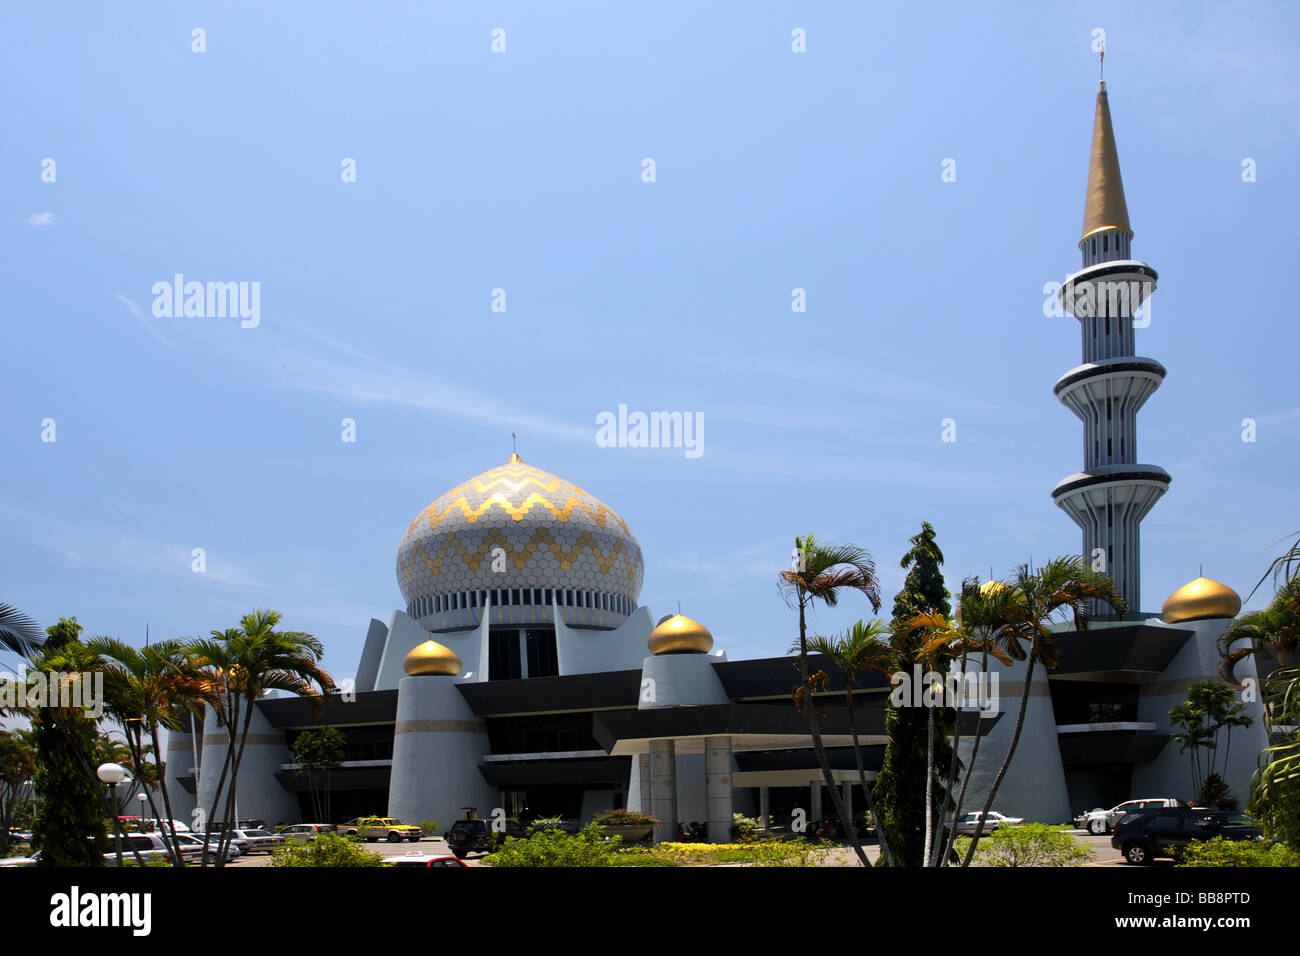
<point x="1101" y="60"/>
<point x="1201" y="572"/>
<point x="514" y="439"/>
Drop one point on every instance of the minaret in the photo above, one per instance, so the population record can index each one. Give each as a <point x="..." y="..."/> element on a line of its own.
<point x="1111" y="496"/>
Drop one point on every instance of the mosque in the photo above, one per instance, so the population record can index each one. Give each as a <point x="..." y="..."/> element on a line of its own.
<point x="521" y="673"/>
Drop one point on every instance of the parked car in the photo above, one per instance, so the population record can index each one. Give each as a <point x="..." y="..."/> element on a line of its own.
<point x="349" y="827"/>
<point x="256" y="841"/>
<point x="1146" y="834"/>
<point x="416" y="858"/>
<point x="191" y="845"/>
<point x="387" y="828"/>
<point x="969" y="823"/>
<point x="469" y="836"/>
<point x="303" y="832"/>
<point x="1101" y="821"/>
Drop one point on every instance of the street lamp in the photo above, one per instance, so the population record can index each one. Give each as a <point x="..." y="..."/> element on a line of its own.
<point x="112" y="774"/>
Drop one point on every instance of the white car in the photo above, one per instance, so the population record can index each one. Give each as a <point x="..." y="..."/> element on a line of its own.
<point x="969" y="823"/>
<point x="1100" y="821"/>
<point x="255" y="841"/>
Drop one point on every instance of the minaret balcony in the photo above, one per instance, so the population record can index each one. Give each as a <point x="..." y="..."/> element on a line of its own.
<point x="1108" y="288"/>
<point x="1122" y="382"/>
<point x="1131" y="490"/>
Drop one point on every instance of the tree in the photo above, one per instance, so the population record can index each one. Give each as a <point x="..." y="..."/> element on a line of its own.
<point x="245" y="663"/>
<point x="316" y="755"/>
<point x="156" y="686"/>
<point x="983" y="611"/>
<point x="18" y="632"/>
<point x="17" y="764"/>
<point x="1272" y="632"/>
<point x="902" y="777"/>
<point x="1210" y="707"/>
<point x="861" y="648"/>
<point x="70" y="830"/>
<point x="1063" y="585"/>
<point x="944" y="642"/>
<point x="819" y="573"/>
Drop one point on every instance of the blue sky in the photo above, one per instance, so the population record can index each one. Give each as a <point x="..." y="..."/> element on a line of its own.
<point x="522" y="170"/>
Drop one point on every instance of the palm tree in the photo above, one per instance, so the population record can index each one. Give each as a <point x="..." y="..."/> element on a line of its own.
<point x="145" y="689"/>
<point x="820" y="574"/>
<point x="247" y="662"/>
<point x="1067" y="584"/>
<point x="1273" y="631"/>
<point x="944" y="643"/>
<point x="18" y="632"/>
<point x="981" y="613"/>
<point x="861" y="648"/>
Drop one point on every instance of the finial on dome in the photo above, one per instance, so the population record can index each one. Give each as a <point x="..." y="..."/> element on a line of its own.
<point x="514" y="457"/>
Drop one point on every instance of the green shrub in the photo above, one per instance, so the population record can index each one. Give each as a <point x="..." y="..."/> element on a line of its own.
<point x="430" y="827"/>
<point x="151" y="861"/>
<point x="743" y="827"/>
<point x="623" y="818"/>
<point x="1030" y="844"/>
<point x="327" y="849"/>
<point x="556" y="848"/>
<point x="1221" y="852"/>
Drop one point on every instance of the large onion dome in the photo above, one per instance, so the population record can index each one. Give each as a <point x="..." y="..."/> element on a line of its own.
<point x="519" y="538"/>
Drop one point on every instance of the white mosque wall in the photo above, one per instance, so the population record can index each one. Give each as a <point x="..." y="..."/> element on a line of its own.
<point x="581" y="651"/>
<point x="1034" y="786"/>
<point x="259" y="794"/>
<point x="371" y="655"/>
<point x="438" y="745"/>
<point x="1170" y="774"/>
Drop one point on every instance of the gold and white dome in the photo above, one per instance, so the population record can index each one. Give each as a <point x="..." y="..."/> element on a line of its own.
<point x="556" y="541"/>
<point x="1200" y="599"/>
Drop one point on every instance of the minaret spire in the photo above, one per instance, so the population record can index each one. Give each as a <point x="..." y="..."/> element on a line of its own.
<point x="1103" y="205"/>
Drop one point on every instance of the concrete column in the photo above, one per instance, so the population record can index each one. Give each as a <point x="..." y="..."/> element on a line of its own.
<point x="717" y="770"/>
<point x="764" y="807"/>
<point x="643" y="781"/>
<point x="663" y="789"/>
<point x="846" y="794"/>
<point x="815" y="811"/>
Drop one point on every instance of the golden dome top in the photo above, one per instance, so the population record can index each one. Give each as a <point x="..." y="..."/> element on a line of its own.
<point x="431" y="658"/>
<point x="992" y="587"/>
<point x="680" y="635"/>
<point x="1103" y="205"/>
<point x="1200" y="599"/>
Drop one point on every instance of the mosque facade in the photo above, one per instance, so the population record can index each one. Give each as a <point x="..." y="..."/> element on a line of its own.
<point x="522" y="676"/>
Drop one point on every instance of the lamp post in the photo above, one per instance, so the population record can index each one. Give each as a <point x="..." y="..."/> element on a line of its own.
<point x="112" y="774"/>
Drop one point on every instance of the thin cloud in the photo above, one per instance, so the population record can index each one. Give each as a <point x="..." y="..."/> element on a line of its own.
<point x="144" y="320"/>
<point x="39" y="219"/>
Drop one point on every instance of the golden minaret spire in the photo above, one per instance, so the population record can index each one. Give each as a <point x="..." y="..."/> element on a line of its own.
<point x="1104" y="206"/>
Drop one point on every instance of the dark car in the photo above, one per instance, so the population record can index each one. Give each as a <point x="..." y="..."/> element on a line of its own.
<point x="469" y="836"/>
<point x="1147" y="834"/>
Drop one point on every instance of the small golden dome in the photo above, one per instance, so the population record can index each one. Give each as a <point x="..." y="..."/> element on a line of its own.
<point x="992" y="587"/>
<point x="680" y="635"/>
<point x="1200" y="599"/>
<point x="431" y="658"/>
